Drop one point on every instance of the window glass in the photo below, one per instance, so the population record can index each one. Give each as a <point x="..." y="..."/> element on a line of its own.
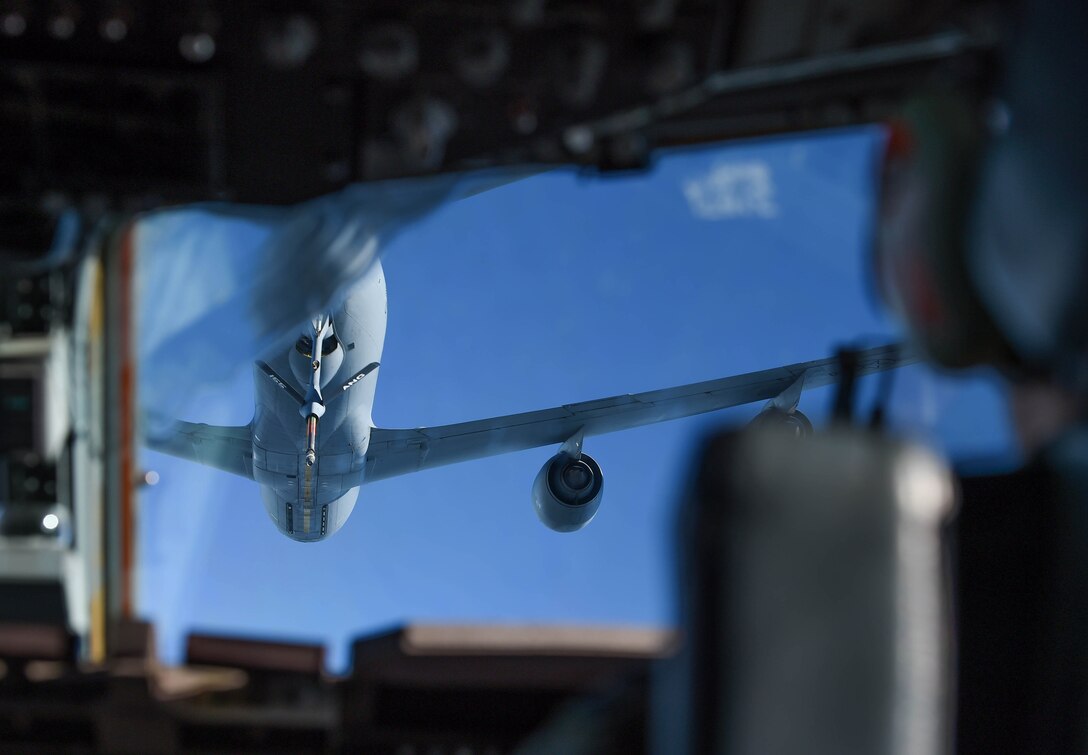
<point x="550" y="290"/>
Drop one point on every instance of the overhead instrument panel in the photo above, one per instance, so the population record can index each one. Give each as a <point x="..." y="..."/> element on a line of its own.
<point x="130" y="103"/>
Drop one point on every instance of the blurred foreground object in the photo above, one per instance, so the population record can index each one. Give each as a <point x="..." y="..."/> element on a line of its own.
<point x="266" y="270"/>
<point x="1021" y="555"/>
<point x="53" y="427"/>
<point x="140" y="103"/>
<point x="814" y="599"/>
<point x="416" y="689"/>
<point x="983" y="247"/>
<point x="984" y="251"/>
<point x="1027" y="248"/>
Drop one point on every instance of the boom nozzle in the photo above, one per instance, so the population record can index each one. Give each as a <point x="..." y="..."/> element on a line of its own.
<point x="311" y="440"/>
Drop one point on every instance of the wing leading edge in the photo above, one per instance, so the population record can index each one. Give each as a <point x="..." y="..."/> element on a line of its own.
<point x="397" y="452"/>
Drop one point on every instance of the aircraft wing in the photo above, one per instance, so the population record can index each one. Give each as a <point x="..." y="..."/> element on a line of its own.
<point x="226" y="448"/>
<point x="397" y="452"/>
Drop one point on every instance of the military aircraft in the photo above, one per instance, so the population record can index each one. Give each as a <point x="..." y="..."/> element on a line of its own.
<point x="312" y="443"/>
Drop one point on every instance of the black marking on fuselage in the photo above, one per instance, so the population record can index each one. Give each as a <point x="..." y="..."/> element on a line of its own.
<point x="290" y="520"/>
<point x="291" y="391"/>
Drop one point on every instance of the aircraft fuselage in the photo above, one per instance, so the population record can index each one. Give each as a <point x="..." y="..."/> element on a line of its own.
<point x="320" y="393"/>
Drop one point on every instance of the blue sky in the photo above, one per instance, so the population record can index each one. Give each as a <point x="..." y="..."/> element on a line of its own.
<point x="554" y="289"/>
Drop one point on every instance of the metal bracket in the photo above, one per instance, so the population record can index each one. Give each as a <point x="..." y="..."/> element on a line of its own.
<point x="572" y="447"/>
<point x="787" y="400"/>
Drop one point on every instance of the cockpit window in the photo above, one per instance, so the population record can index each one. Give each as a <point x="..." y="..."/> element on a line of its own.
<point x="305" y="345"/>
<point x="733" y="217"/>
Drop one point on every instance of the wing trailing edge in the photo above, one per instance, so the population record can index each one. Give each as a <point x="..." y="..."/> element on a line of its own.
<point x="397" y="452"/>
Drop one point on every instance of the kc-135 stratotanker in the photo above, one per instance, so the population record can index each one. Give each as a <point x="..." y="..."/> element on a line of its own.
<point x="312" y="442"/>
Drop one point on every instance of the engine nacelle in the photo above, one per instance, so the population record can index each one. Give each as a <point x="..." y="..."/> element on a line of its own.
<point x="567" y="492"/>
<point x="794" y="423"/>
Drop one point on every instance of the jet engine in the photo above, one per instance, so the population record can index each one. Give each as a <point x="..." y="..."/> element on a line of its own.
<point x="567" y="492"/>
<point x="794" y="422"/>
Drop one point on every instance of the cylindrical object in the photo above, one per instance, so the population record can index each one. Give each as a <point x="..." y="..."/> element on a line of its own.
<point x="815" y="611"/>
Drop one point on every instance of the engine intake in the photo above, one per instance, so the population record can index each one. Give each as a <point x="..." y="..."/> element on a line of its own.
<point x="567" y="492"/>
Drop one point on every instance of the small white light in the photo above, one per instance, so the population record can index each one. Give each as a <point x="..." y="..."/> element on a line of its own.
<point x="579" y="139"/>
<point x="197" y="48"/>
<point x="114" y="29"/>
<point x="13" y="24"/>
<point x="50" y="522"/>
<point x="62" y="27"/>
<point x="151" y="477"/>
<point x="924" y="487"/>
<point x="525" y="122"/>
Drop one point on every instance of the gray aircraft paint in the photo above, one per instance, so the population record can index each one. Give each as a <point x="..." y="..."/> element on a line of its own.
<point x="311" y="502"/>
